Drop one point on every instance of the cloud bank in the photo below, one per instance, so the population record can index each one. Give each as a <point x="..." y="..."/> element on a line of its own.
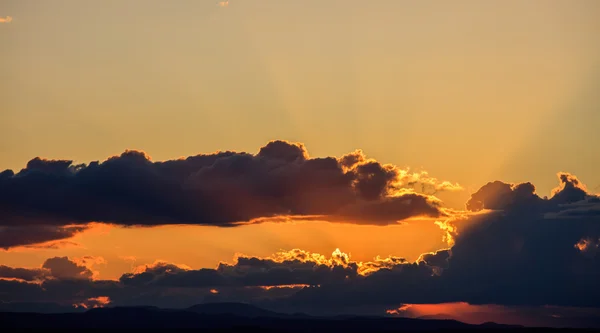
<point x="518" y="250"/>
<point x="70" y="282"/>
<point x="55" y="199"/>
<point x="511" y="248"/>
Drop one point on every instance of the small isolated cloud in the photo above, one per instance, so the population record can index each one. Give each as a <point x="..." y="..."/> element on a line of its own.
<point x="8" y="19"/>
<point x="588" y="246"/>
<point x="223" y="3"/>
<point x="93" y="302"/>
<point x="402" y="309"/>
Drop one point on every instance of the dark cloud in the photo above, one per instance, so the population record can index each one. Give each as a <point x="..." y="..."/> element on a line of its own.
<point x="24" y="274"/>
<point x="38" y="235"/>
<point x="160" y="284"/>
<point x="350" y="160"/>
<point x="526" y="251"/>
<point x="523" y="257"/>
<point x="503" y="196"/>
<point x="295" y="267"/>
<point x="390" y="210"/>
<point x="296" y="280"/>
<point x="373" y="180"/>
<point x="62" y="281"/>
<point x="15" y="291"/>
<point x="222" y="189"/>
<point x="248" y="279"/>
<point x="437" y="259"/>
<point x="63" y="268"/>
<point x="384" y="288"/>
<point x="570" y="189"/>
<point x="285" y="151"/>
<point x="498" y="196"/>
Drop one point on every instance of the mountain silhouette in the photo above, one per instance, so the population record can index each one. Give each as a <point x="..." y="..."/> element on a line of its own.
<point x="438" y="316"/>
<point x="37" y="307"/>
<point x="224" y="317"/>
<point x="235" y="309"/>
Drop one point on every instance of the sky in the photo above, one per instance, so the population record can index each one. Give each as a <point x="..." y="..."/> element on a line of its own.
<point x="440" y="98"/>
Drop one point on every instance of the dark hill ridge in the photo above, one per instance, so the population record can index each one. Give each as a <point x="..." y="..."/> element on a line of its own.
<point x="538" y="320"/>
<point x="236" y="309"/>
<point x="37" y="307"/>
<point x="231" y="317"/>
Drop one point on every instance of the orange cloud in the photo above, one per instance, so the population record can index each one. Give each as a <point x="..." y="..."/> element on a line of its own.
<point x="457" y="221"/>
<point x="588" y="246"/>
<point x="89" y="262"/>
<point x="292" y="286"/>
<point x="444" y="309"/>
<point x="481" y="313"/>
<point x="94" y="302"/>
<point x="403" y="308"/>
<point x="366" y="268"/>
<point x="337" y="257"/>
<point x="450" y="230"/>
<point x="6" y="19"/>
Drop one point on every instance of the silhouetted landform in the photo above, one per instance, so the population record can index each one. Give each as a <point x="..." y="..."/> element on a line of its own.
<point x="234" y="309"/>
<point x="37" y="307"/>
<point x="532" y="319"/>
<point x="233" y="317"/>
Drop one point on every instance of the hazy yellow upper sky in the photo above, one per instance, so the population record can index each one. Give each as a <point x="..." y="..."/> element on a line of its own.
<point x="470" y="91"/>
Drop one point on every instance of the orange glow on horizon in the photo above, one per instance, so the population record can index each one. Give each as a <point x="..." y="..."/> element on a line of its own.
<point x="461" y="311"/>
<point x="126" y="249"/>
<point x="293" y="286"/>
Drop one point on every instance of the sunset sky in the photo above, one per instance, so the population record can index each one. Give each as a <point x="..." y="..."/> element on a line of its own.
<point x="261" y="131"/>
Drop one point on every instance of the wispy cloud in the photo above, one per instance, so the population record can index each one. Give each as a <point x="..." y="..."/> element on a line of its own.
<point x="223" y="3"/>
<point x="8" y="19"/>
